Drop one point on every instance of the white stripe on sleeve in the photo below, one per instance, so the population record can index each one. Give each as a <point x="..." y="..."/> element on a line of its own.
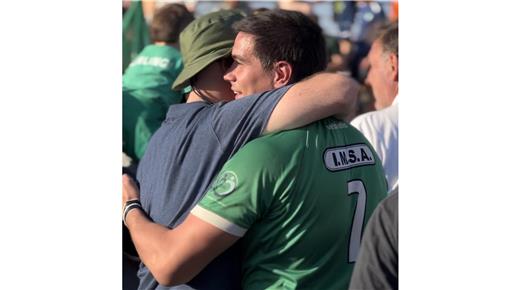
<point x="218" y="221"/>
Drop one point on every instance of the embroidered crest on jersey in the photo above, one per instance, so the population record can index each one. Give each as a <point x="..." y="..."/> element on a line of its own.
<point x="342" y="158"/>
<point x="225" y="183"/>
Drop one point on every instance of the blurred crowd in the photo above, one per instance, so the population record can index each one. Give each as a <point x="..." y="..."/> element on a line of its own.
<point x="349" y="29"/>
<point x="172" y="53"/>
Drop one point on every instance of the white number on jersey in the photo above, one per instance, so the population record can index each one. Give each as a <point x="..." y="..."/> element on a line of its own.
<point x="356" y="187"/>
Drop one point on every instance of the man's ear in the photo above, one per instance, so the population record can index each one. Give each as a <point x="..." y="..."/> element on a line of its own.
<point x="394" y="66"/>
<point x="282" y="73"/>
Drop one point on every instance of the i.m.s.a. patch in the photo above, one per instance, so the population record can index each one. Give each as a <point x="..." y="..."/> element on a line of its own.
<point x="346" y="157"/>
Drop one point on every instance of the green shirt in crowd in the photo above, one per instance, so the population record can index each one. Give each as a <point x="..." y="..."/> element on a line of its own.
<point x="300" y="200"/>
<point x="147" y="94"/>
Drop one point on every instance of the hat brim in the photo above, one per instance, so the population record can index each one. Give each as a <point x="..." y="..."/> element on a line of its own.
<point x="194" y="68"/>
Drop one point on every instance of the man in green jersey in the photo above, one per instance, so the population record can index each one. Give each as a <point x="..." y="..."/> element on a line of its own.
<point x="299" y="198"/>
<point x="147" y="81"/>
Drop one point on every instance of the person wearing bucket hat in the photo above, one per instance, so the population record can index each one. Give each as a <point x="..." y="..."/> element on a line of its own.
<point x="197" y="138"/>
<point x="206" y="48"/>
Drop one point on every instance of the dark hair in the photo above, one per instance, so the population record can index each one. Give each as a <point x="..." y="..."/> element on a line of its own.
<point x="282" y="35"/>
<point x="390" y="39"/>
<point x="168" y="22"/>
<point x="260" y="10"/>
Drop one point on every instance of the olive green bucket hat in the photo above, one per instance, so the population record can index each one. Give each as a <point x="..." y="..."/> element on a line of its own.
<point x="204" y="40"/>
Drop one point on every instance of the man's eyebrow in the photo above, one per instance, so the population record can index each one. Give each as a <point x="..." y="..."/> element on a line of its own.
<point x="238" y="57"/>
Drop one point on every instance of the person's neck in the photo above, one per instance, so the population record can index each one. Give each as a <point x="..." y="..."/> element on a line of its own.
<point x="175" y="45"/>
<point x="193" y="97"/>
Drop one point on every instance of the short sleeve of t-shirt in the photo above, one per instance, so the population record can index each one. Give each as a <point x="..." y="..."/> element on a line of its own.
<point x="242" y="192"/>
<point x="239" y="121"/>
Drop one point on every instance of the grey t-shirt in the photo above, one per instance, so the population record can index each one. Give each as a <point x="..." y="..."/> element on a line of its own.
<point x="183" y="156"/>
<point x="377" y="264"/>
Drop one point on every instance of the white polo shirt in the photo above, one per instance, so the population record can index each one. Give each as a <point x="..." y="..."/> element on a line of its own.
<point x="382" y="130"/>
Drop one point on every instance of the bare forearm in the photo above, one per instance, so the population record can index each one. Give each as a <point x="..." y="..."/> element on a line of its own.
<point x="151" y="241"/>
<point x="333" y="94"/>
<point x="173" y="256"/>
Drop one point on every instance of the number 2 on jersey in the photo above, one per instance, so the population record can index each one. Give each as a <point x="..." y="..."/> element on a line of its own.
<point x="356" y="187"/>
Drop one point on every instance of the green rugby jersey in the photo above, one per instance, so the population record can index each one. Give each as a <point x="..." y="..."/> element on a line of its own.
<point x="147" y="95"/>
<point x="300" y="199"/>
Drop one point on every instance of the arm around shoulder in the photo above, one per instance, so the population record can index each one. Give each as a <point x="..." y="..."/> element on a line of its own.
<point x="316" y="97"/>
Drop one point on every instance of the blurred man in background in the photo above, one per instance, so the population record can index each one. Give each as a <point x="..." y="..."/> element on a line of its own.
<point x="381" y="126"/>
<point x="147" y="92"/>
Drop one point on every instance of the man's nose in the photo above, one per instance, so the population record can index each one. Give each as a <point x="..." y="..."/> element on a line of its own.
<point x="228" y="75"/>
